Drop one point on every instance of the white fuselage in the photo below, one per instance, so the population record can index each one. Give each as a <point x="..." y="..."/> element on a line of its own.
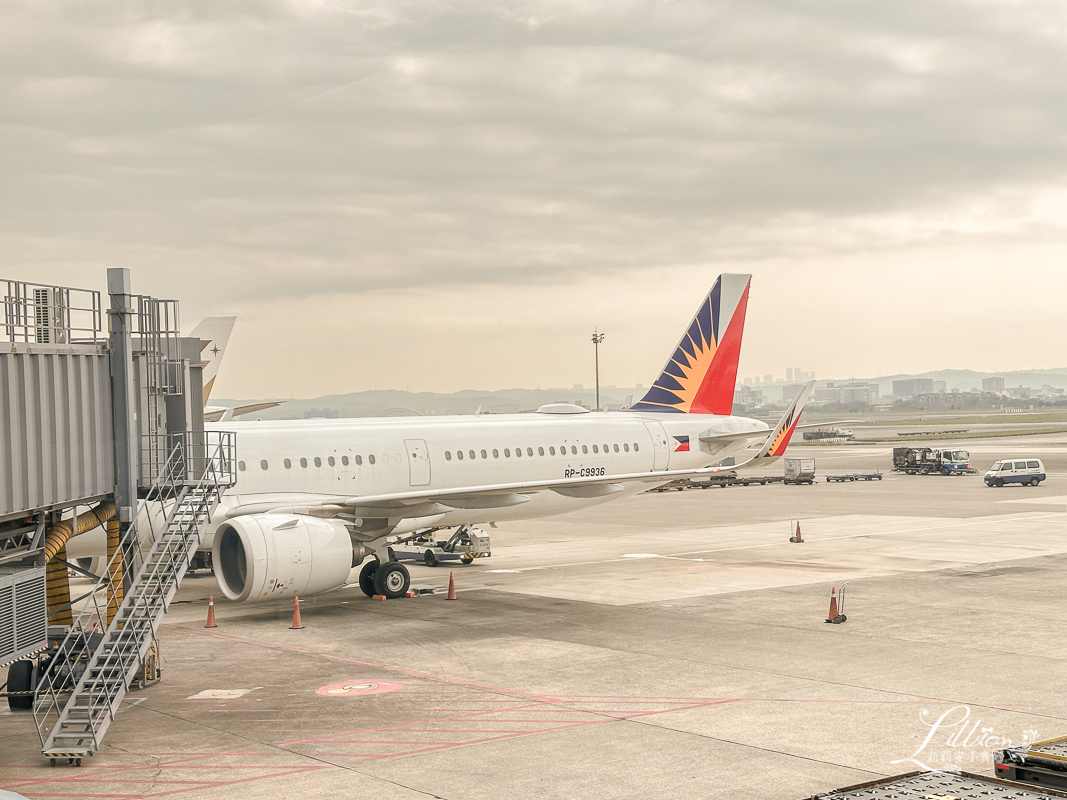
<point x="320" y="460"/>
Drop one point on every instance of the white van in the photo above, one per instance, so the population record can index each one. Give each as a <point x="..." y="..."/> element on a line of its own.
<point x="1027" y="471"/>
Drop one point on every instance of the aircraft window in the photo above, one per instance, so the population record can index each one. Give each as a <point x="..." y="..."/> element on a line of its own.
<point x="288" y="464"/>
<point x="385" y="458"/>
<point x="484" y="454"/>
<point x="507" y="453"/>
<point x="471" y="454"/>
<point x="241" y="466"/>
<point x="518" y="452"/>
<point x="551" y="451"/>
<point x="574" y="450"/>
<point x="529" y="451"/>
<point x="626" y="447"/>
<point x="318" y="461"/>
<point x="448" y="455"/>
<point x="563" y="449"/>
<point x="370" y="458"/>
<point x="496" y="453"/>
<point x="616" y="448"/>
<point x="303" y="462"/>
<point x="263" y="464"/>
<point x="344" y="460"/>
<point x="331" y="462"/>
<point x="359" y="461"/>
<point x="540" y="451"/>
<point x="605" y="448"/>
<point x="596" y="449"/>
<point x="635" y="447"/>
<point x="585" y="450"/>
<point x="459" y="454"/>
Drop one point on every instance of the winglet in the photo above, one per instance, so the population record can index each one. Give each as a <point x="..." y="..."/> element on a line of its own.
<point x="778" y="441"/>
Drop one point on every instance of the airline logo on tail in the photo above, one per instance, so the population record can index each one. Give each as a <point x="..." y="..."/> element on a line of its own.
<point x="701" y="375"/>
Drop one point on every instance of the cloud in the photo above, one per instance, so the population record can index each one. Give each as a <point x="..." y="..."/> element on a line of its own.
<point x="268" y="150"/>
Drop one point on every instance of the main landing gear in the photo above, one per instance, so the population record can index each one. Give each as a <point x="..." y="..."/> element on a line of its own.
<point x="388" y="578"/>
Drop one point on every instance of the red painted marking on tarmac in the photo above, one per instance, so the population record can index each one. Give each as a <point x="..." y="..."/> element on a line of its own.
<point x="357" y="687"/>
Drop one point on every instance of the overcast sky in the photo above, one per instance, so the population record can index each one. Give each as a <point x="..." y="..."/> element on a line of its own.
<point x="448" y="195"/>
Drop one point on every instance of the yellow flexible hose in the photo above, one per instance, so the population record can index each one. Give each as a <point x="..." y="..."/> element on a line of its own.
<point x="55" y="551"/>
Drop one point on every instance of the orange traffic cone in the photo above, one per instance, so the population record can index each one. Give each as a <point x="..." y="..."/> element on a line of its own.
<point x="297" y="624"/>
<point x="451" y="588"/>
<point x="833" y="605"/>
<point x="797" y="538"/>
<point x="210" y="612"/>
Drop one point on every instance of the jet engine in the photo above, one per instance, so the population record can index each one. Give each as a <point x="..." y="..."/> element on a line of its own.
<point x="263" y="556"/>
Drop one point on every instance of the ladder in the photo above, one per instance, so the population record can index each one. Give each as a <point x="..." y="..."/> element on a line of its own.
<point x="97" y="670"/>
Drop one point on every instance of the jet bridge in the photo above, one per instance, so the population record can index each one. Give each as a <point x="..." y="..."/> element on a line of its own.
<point x="98" y="430"/>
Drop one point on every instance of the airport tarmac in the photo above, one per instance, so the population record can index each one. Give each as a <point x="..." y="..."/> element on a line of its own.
<point x="667" y="644"/>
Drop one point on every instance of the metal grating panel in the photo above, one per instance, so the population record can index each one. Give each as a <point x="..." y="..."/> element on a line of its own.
<point x="7" y="621"/>
<point x="939" y="785"/>
<point x="23" y="613"/>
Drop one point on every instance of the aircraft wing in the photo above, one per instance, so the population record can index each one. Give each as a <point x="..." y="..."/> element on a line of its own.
<point x="423" y="503"/>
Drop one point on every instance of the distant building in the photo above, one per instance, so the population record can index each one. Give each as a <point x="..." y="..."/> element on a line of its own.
<point x="940" y="387"/>
<point x="913" y="386"/>
<point x="747" y="396"/>
<point x="790" y="391"/>
<point x="1019" y="391"/>
<point x="853" y="393"/>
<point x="768" y="379"/>
<point x="994" y="384"/>
<point x="789" y="374"/>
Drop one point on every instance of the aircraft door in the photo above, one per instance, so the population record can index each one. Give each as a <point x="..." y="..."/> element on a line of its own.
<point x="418" y="462"/>
<point x="660" y="450"/>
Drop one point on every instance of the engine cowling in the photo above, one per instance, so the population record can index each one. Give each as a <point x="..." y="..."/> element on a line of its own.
<point x="265" y="556"/>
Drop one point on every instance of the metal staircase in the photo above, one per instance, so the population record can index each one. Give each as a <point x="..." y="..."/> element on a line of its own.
<point x="93" y="667"/>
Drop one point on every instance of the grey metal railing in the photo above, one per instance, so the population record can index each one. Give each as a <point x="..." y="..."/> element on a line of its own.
<point x="92" y="668"/>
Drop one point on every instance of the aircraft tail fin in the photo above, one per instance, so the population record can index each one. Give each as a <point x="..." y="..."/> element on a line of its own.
<point x="701" y="374"/>
<point x="214" y="334"/>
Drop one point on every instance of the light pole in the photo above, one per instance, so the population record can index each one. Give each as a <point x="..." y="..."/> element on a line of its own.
<point x="597" y="339"/>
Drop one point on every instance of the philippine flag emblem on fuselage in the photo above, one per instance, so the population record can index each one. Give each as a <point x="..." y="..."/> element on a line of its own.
<point x="683" y="444"/>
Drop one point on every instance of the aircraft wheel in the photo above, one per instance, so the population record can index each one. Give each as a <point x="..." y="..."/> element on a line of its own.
<point x="392" y="580"/>
<point x="20" y="679"/>
<point x="366" y="577"/>
<point x="429" y="559"/>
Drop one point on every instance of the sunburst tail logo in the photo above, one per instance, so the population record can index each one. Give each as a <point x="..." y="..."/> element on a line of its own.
<point x="701" y="375"/>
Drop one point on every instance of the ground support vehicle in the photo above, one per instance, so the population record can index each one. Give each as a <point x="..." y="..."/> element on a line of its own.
<point x="679" y="485"/>
<point x="799" y="470"/>
<point x="1042" y="763"/>
<point x="854" y="476"/>
<point x="938" y="785"/>
<point x="1026" y="472"/>
<point x="928" y="461"/>
<point x="465" y="545"/>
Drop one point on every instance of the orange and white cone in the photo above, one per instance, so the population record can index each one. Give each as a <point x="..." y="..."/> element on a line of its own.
<point x="451" y="588"/>
<point x="833" y="606"/>
<point x="297" y="624"/>
<point x="799" y="537"/>
<point x="210" y="612"/>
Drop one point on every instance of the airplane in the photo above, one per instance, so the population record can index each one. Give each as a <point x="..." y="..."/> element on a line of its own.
<point x="317" y="498"/>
